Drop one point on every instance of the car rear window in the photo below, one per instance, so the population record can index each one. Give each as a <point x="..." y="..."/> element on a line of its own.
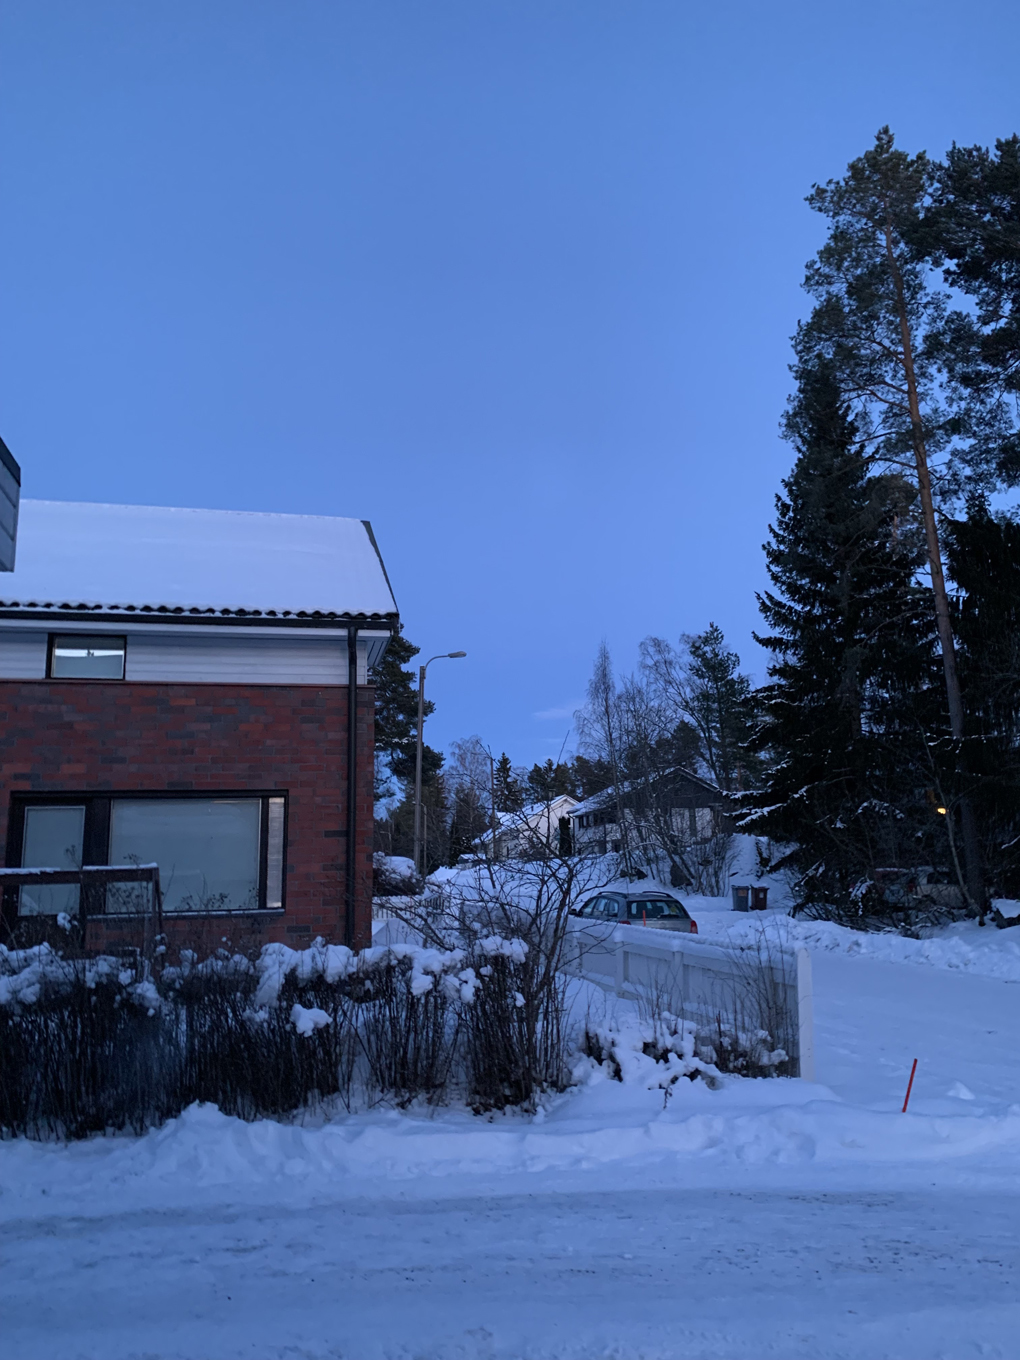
<point x="654" y="907"/>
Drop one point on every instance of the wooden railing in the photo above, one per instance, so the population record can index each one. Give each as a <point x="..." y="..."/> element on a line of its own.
<point x="92" y="880"/>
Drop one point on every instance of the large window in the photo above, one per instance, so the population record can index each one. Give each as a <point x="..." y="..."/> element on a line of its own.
<point x="86" y="657"/>
<point x="221" y="854"/>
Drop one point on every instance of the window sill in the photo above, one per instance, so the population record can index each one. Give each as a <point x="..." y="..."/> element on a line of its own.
<point x="186" y="915"/>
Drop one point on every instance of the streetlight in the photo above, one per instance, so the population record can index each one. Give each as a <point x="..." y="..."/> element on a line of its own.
<point x="418" y="859"/>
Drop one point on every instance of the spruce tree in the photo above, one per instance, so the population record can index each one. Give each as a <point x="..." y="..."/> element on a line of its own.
<point x="469" y="822"/>
<point x="719" y="706"/>
<point x="983" y="554"/>
<point x="396" y="718"/>
<point x="853" y="705"/>
<point x="508" y="793"/>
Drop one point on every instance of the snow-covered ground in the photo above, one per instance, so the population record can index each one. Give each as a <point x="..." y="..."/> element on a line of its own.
<point x="770" y="1218"/>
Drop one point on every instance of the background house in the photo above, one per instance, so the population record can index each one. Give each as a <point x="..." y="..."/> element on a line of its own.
<point x="535" y="830"/>
<point x="676" y="804"/>
<point x="192" y="687"/>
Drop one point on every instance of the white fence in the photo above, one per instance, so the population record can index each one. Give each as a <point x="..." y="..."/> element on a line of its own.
<point x="398" y="908"/>
<point x="767" y="986"/>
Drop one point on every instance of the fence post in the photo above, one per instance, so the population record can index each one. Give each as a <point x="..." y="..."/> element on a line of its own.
<point x="621" y="967"/>
<point x="805" y="1017"/>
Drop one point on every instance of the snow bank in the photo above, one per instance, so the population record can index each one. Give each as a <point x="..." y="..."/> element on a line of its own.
<point x="604" y="1125"/>
<point x="964" y="946"/>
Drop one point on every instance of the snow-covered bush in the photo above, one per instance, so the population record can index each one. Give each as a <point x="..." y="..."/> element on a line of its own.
<point x="394" y="876"/>
<point x="80" y="1042"/>
<point x="93" y="1045"/>
<point x="656" y="1053"/>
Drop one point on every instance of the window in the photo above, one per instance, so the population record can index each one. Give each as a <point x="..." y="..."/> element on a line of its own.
<point x="86" y="657"/>
<point x="222" y="854"/>
<point x="655" y="908"/>
<point x="53" y="839"/>
<point x="207" y="851"/>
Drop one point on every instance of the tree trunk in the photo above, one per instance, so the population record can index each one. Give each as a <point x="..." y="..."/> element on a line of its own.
<point x="974" y="886"/>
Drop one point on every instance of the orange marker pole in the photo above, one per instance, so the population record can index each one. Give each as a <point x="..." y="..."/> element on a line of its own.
<point x="910" y="1085"/>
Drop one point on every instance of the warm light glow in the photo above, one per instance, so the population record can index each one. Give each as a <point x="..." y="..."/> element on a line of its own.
<point x="942" y="811"/>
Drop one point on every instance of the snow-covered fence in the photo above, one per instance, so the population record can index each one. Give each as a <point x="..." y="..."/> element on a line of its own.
<point x="762" y="985"/>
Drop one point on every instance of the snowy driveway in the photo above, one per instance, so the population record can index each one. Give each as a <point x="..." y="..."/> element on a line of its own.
<point x="638" y="1273"/>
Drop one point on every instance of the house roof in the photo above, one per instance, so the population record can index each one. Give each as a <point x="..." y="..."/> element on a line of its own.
<point x="511" y="820"/>
<point x="510" y="823"/>
<point x="606" y="796"/>
<point x="125" y="558"/>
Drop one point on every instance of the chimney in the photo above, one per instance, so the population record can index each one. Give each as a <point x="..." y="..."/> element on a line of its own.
<point x="10" y="495"/>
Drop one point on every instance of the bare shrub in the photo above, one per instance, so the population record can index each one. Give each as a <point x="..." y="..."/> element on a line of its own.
<point x="512" y="916"/>
<point x="405" y="1027"/>
<point x="83" y="1055"/>
<point x="514" y="1032"/>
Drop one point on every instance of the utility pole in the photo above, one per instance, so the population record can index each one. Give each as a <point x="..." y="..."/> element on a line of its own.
<point x="492" y="798"/>
<point x="419" y="866"/>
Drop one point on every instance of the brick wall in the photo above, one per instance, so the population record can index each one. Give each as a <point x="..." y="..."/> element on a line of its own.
<point x="96" y="737"/>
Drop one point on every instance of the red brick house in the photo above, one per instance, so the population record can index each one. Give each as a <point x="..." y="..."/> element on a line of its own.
<point x="192" y="688"/>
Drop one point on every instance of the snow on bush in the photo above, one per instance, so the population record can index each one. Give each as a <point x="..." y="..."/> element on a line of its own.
<point x="92" y="1044"/>
<point x="307" y="1019"/>
<point x="656" y="1052"/>
<point x="394" y="876"/>
<point x="29" y="975"/>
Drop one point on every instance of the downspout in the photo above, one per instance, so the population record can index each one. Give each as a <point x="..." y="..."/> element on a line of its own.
<point x="352" y="785"/>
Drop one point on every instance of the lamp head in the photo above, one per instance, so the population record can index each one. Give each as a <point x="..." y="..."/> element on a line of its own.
<point x="455" y="654"/>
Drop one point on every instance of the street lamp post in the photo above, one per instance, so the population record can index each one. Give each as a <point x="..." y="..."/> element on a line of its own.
<point x="419" y="865"/>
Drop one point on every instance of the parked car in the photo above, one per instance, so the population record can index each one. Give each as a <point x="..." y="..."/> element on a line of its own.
<point x="643" y="908"/>
<point x="916" y="889"/>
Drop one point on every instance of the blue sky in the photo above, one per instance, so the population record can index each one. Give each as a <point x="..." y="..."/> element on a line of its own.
<point x="513" y="281"/>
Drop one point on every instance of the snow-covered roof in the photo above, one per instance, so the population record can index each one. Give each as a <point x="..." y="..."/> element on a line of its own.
<point x="606" y="796"/>
<point x="529" y="817"/>
<point x="531" y="810"/>
<point x="127" y="558"/>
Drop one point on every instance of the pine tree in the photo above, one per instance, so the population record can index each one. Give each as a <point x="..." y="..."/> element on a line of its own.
<point x="972" y="229"/>
<point x="589" y="775"/>
<point x="874" y="314"/>
<point x="551" y="780"/>
<point x="852" y="704"/>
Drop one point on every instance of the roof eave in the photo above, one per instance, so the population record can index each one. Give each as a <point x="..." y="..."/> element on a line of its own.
<point x="52" y="613"/>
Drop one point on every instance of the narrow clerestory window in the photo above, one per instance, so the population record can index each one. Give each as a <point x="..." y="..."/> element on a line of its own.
<point x="86" y="657"/>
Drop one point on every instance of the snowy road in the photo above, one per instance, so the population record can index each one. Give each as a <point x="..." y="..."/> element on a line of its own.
<point x="652" y="1273"/>
<point x="765" y="1219"/>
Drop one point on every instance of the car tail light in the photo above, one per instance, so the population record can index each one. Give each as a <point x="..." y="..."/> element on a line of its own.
<point x="694" y="926"/>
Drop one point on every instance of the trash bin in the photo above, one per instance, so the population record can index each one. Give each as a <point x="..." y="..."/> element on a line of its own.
<point x="759" y="899"/>
<point x="741" y="898"/>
